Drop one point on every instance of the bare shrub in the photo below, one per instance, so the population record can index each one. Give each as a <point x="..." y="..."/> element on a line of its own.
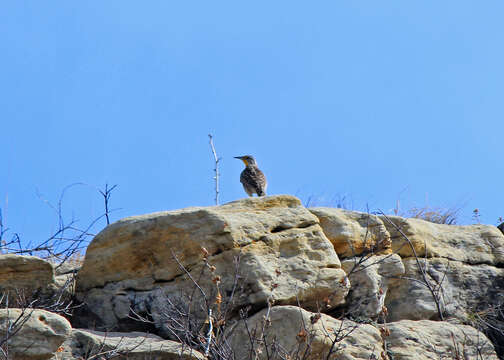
<point x="67" y="241"/>
<point x="489" y="319"/>
<point x="178" y="319"/>
<point x="338" y="201"/>
<point x="448" y="216"/>
<point x="63" y="248"/>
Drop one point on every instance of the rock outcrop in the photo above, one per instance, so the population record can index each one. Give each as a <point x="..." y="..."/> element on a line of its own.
<point x="264" y="274"/>
<point x="284" y="257"/>
<point x="32" y="334"/>
<point x="463" y="265"/>
<point x="474" y="244"/>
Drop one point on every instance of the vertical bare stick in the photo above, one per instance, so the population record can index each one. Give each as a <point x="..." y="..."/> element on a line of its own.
<point x="2" y="231"/>
<point x="216" y="169"/>
<point x="106" y="199"/>
<point x="209" y="334"/>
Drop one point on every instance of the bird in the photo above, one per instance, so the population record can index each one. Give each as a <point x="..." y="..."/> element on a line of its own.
<point x="252" y="179"/>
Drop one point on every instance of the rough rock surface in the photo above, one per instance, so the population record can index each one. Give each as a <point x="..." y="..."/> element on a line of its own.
<point x="293" y="328"/>
<point x="437" y="340"/>
<point x="26" y="278"/>
<point x="84" y="344"/>
<point x="25" y="273"/>
<point x="474" y="244"/>
<point x="353" y="233"/>
<point x="268" y="251"/>
<point x="66" y="271"/>
<point x="40" y="333"/>
<point x="284" y="256"/>
<point x="465" y="289"/>
<point x="370" y="278"/>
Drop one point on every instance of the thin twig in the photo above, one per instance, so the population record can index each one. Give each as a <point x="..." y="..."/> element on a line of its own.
<point x="182" y="267"/>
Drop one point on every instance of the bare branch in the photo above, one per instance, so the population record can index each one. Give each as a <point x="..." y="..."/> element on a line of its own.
<point x="216" y="169"/>
<point x="209" y="333"/>
<point x="106" y="198"/>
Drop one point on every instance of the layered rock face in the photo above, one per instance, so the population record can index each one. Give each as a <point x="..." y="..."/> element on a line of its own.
<point x="261" y="278"/>
<point x="474" y="244"/>
<point x="463" y="266"/>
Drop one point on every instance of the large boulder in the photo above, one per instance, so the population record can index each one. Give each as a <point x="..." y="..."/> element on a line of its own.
<point x="353" y="233"/>
<point x="284" y="257"/>
<point x="26" y="274"/>
<point x="32" y="281"/>
<point x="472" y="244"/>
<point x="32" y="334"/>
<point x="289" y="330"/>
<point x="86" y="344"/>
<point x="463" y="290"/>
<point x="371" y="278"/>
<point x="426" y="340"/>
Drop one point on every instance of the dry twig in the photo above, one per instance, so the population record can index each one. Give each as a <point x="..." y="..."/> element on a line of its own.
<point x="216" y="169"/>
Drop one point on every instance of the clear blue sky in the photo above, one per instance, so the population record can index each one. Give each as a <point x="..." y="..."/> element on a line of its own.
<point x="375" y="101"/>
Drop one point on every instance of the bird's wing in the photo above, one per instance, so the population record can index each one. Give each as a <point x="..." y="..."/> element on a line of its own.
<point x="255" y="179"/>
<point x="261" y="179"/>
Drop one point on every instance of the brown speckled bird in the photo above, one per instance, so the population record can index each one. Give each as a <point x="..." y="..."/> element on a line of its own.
<point x="252" y="179"/>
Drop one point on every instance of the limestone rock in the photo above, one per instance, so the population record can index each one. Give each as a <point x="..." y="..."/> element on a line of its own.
<point x="464" y="289"/>
<point x="353" y="233"/>
<point x="40" y="333"/>
<point x="84" y="344"/>
<point x="289" y="329"/>
<point x="284" y="256"/>
<point x="65" y="275"/>
<point x="26" y="274"/>
<point x="473" y="244"/>
<point x="70" y="266"/>
<point x="426" y="340"/>
<point x="370" y="277"/>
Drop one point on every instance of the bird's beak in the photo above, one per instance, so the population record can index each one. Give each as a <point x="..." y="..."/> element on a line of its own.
<point x="242" y="159"/>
